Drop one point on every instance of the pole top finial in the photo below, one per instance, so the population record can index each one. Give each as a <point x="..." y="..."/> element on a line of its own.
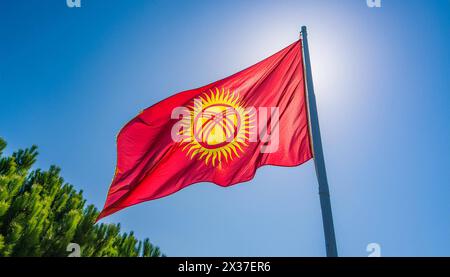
<point x="303" y="29"/>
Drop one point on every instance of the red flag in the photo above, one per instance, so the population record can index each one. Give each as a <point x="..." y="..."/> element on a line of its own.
<point x="219" y="133"/>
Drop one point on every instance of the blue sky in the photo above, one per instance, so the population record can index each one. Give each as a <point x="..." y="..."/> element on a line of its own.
<point x="70" y="78"/>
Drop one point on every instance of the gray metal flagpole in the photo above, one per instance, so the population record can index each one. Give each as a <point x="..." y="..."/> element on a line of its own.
<point x="319" y="162"/>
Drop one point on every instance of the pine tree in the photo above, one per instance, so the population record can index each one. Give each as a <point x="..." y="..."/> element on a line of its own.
<point x="40" y="215"/>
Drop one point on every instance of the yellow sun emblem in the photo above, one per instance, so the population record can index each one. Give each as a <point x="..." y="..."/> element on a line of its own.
<point x="218" y="127"/>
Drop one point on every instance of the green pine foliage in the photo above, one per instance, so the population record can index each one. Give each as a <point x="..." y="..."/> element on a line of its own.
<point x="40" y="215"/>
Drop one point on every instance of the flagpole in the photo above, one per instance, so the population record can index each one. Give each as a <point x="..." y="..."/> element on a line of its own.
<point x="319" y="162"/>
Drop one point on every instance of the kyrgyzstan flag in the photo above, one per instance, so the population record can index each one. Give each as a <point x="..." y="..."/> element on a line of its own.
<point x="219" y="133"/>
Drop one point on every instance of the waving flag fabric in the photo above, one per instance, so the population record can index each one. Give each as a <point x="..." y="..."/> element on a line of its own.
<point x="220" y="133"/>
